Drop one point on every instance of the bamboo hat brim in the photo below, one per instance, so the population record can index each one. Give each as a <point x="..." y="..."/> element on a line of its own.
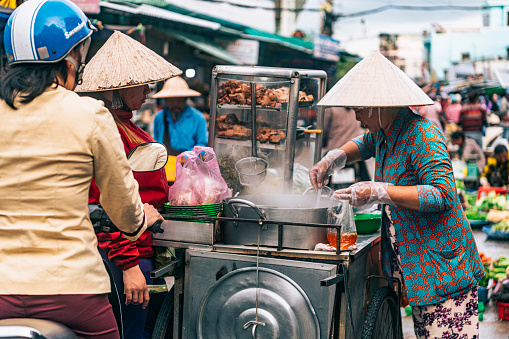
<point x="375" y="82"/>
<point x="124" y="62"/>
<point x="176" y="88"/>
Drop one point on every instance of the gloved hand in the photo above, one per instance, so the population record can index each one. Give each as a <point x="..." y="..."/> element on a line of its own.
<point x="320" y="172"/>
<point x="365" y="193"/>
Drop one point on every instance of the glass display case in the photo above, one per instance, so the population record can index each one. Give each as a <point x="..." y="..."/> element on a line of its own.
<point x="266" y="113"/>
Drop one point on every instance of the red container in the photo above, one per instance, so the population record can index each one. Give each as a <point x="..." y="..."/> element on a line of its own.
<point x="486" y="190"/>
<point x="503" y="311"/>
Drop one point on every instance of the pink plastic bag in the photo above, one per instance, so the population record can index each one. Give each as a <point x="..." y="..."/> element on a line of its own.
<point x="198" y="180"/>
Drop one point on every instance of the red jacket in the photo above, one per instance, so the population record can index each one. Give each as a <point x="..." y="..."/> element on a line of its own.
<point x="153" y="190"/>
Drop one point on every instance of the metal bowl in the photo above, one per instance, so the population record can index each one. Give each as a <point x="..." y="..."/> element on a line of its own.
<point x="251" y="170"/>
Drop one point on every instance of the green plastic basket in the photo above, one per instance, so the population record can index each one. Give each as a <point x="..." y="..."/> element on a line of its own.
<point x="367" y="223"/>
<point x="208" y="210"/>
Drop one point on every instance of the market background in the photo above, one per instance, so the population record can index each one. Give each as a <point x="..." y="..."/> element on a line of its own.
<point x="454" y="45"/>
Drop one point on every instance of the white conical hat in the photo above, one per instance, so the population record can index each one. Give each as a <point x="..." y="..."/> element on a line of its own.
<point x="375" y="82"/>
<point x="124" y="62"/>
<point x="176" y="88"/>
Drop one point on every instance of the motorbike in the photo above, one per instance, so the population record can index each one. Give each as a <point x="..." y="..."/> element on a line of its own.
<point x="146" y="157"/>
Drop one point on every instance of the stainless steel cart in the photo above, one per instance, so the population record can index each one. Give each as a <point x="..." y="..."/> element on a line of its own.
<point x="269" y="113"/>
<point x="237" y="291"/>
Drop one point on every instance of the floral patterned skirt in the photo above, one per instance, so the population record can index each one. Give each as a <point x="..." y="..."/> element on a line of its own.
<point x="455" y="318"/>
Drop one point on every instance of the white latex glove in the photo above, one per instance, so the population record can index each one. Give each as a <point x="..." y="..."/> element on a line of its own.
<point x="319" y="173"/>
<point x="365" y="193"/>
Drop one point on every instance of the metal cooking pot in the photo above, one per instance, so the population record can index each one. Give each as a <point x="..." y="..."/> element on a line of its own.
<point x="277" y="207"/>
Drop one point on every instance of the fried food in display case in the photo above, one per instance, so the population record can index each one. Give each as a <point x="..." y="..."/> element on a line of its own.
<point x="235" y="92"/>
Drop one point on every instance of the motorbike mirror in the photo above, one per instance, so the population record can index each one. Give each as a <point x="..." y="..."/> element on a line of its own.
<point x="148" y="157"/>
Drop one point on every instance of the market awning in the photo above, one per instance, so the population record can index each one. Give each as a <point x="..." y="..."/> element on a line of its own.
<point x="204" y="44"/>
<point x="160" y="13"/>
<point x="502" y="76"/>
<point x="228" y="27"/>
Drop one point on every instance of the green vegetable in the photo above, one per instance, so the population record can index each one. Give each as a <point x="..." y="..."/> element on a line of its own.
<point x="500" y="276"/>
<point x="501" y="226"/>
<point x="473" y="214"/>
<point x="492" y="201"/>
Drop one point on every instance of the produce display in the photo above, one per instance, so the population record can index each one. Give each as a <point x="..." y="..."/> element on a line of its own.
<point x="492" y="201"/>
<point x="501" y="226"/>
<point x="496" y="270"/>
<point x="497" y="216"/>
<point x="235" y="92"/>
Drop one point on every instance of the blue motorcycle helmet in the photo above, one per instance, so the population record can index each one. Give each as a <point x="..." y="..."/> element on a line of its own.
<point x="45" y="31"/>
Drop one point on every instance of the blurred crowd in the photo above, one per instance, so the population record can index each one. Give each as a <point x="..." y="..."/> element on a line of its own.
<point x="475" y="123"/>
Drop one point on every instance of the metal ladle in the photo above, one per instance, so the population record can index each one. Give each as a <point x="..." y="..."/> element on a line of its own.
<point x="249" y="169"/>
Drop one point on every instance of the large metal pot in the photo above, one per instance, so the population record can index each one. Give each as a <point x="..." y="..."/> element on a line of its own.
<point x="277" y="207"/>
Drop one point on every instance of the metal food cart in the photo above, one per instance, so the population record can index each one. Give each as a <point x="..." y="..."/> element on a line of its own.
<point x="301" y="294"/>
<point x="253" y="272"/>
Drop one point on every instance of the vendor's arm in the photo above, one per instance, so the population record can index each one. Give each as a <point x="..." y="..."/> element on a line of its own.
<point x="404" y="196"/>
<point x="334" y="159"/>
<point x="353" y="152"/>
<point x="430" y="163"/>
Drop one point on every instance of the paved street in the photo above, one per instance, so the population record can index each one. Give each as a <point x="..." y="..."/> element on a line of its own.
<point x="490" y="327"/>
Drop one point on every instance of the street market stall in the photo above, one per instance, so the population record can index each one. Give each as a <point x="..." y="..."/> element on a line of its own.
<point x="251" y="269"/>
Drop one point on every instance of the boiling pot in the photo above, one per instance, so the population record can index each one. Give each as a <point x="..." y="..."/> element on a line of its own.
<point x="277" y="207"/>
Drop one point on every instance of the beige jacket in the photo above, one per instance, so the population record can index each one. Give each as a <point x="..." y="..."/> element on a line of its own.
<point x="50" y="150"/>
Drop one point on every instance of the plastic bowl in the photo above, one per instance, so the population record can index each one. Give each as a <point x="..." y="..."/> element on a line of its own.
<point x="367" y="223"/>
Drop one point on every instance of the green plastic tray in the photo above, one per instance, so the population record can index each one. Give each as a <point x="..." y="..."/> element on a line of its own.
<point x="367" y="223"/>
<point x="209" y="210"/>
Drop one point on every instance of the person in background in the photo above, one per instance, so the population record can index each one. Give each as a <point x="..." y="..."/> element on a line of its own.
<point x="496" y="171"/>
<point x="453" y="110"/>
<point x="504" y="106"/>
<point x="426" y="238"/>
<point x="432" y="112"/>
<point x="473" y="118"/>
<point x="53" y="143"/>
<point x="179" y="126"/>
<point x="123" y="92"/>
<point x="468" y="149"/>
<point x="494" y="105"/>
<point x="339" y="126"/>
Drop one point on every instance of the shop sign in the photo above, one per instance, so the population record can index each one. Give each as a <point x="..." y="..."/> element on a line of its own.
<point x="326" y="48"/>
<point x="88" y="6"/>
<point x="246" y="51"/>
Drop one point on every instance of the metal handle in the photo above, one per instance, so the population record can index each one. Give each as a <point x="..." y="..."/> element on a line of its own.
<point x="159" y="272"/>
<point x="254" y="151"/>
<point x="332" y="280"/>
<point x="156" y="227"/>
<point x="230" y="203"/>
<point x="327" y="188"/>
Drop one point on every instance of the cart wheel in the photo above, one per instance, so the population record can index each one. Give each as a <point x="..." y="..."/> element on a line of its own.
<point x="164" y="322"/>
<point x="382" y="319"/>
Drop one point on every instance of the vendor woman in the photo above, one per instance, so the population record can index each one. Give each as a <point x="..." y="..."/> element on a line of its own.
<point x="426" y="238"/>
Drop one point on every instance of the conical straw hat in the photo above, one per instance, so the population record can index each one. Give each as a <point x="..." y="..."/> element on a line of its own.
<point x="124" y="62"/>
<point x="176" y="88"/>
<point x="375" y="82"/>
